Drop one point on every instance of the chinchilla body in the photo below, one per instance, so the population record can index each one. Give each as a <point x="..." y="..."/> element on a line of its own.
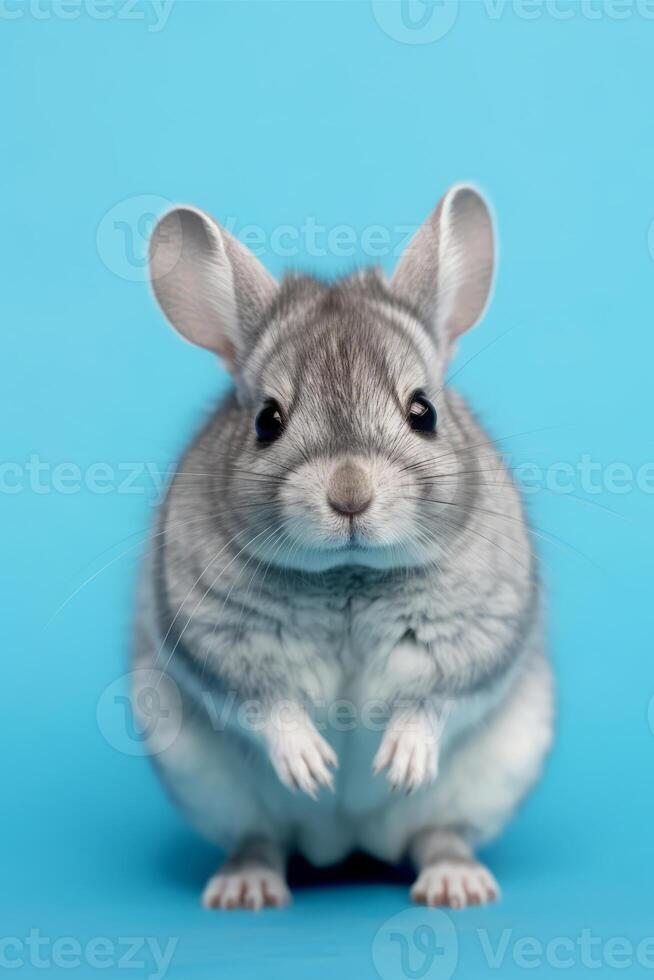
<point x="340" y="619"/>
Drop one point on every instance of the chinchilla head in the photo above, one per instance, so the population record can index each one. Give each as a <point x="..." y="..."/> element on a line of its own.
<point x="344" y="448"/>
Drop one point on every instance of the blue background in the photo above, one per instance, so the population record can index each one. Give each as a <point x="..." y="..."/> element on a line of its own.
<point x="268" y="114"/>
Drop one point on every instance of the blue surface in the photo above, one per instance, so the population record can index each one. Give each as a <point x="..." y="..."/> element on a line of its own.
<point x="270" y="115"/>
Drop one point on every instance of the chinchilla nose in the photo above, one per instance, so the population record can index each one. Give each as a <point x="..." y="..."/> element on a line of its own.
<point x="349" y="490"/>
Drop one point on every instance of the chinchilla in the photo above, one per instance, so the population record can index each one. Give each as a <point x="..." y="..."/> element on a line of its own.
<point x="340" y="616"/>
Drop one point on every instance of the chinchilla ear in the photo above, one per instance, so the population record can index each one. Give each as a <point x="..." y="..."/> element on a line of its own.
<point x="446" y="272"/>
<point x="210" y="287"/>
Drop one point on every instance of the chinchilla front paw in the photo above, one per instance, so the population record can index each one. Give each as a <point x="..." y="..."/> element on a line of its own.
<point x="409" y="750"/>
<point x="300" y="755"/>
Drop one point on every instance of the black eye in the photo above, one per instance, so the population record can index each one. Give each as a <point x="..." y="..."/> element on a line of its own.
<point x="269" y="423"/>
<point x="422" y="414"/>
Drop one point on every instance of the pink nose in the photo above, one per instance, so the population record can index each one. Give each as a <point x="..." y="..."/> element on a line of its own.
<point x="349" y="490"/>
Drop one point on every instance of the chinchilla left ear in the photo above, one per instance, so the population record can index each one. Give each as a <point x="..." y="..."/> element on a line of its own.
<point x="446" y="272"/>
<point x="211" y="288"/>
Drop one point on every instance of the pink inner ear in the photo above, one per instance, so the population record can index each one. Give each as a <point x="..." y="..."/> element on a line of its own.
<point x="466" y="264"/>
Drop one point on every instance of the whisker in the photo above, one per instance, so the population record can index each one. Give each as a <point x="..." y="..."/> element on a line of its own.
<point x="532" y="530"/>
<point x="204" y="596"/>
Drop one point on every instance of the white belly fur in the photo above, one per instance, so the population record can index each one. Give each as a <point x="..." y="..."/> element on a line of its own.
<point x="492" y="751"/>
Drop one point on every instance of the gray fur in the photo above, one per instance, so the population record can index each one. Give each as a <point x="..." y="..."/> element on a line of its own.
<point x="256" y="589"/>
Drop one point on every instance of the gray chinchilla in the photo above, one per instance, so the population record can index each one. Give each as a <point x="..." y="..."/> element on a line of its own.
<point x="340" y="610"/>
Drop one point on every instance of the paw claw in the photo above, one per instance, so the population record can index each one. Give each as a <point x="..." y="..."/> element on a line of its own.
<point x="251" y="888"/>
<point x="409" y="751"/>
<point x="456" y="884"/>
<point x="302" y="757"/>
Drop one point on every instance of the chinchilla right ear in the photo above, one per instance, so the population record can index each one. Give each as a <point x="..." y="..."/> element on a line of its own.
<point x="446" y="272"/>
<point x="211" y="288"/>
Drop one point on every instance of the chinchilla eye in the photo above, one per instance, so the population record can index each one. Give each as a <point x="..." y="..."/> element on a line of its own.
<point x="422" y="414"/>
<point x="269" y="423"/>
